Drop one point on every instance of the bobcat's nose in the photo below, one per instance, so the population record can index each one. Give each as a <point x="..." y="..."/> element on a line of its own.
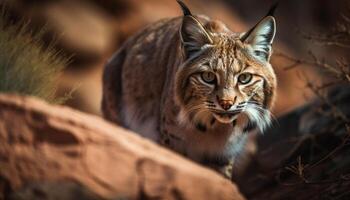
<point x="226" y="104"/>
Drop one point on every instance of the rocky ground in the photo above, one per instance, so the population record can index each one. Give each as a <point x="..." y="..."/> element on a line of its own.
<point x="53" y="152"/>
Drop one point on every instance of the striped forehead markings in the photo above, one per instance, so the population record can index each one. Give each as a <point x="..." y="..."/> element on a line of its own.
<point x="228" y="59"/>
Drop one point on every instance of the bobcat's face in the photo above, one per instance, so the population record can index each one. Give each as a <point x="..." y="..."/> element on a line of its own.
<point x="226" y="76"/>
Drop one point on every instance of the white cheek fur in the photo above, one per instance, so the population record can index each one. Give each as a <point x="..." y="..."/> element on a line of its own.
<point x="259" y="116"/>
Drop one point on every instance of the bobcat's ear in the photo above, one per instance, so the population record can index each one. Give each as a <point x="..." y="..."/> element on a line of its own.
<point x="260" y="38"/>
<point x="192" y="33"/>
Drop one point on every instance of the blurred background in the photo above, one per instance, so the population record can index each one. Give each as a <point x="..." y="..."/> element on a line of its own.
<point x="90" y="31"/>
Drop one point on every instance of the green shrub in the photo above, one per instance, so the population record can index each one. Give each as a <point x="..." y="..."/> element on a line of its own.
<point x="26" y="66"/>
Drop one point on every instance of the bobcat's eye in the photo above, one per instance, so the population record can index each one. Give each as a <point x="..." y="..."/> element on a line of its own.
<point x="245" y="78"/>
<point x="208" y="77"/>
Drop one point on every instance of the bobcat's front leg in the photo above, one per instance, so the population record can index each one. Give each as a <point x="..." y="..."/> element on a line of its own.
<point x="227" y="170"/>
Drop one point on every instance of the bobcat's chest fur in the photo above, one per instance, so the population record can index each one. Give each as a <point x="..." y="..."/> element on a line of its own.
<point x="192" y="85"/>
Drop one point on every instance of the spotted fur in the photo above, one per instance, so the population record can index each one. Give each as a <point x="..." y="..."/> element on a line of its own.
<point x="180" y="82"/>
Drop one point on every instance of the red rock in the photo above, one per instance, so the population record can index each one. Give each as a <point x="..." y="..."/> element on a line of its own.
<point x="55" y="152"/>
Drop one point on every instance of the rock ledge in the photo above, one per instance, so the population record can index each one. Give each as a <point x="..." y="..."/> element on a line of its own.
<point x="55" y="152"/>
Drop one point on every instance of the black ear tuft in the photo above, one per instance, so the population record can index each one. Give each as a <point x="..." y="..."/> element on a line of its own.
<point x="184" y="8"/>
<point x="272" y="10"/>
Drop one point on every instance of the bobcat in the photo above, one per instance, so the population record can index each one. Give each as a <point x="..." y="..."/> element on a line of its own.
<point x="194" y="86"/>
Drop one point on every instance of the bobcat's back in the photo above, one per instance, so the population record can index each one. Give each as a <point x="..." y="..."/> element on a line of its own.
<point x="135" y="77"/>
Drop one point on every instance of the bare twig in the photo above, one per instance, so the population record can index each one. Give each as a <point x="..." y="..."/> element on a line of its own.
<point x="340" y="72"/>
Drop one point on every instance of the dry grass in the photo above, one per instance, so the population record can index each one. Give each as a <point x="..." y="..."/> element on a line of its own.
<point x="27" y="66"/>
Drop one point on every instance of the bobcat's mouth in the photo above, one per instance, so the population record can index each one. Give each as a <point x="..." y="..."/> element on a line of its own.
<point x="226" y="118"/>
